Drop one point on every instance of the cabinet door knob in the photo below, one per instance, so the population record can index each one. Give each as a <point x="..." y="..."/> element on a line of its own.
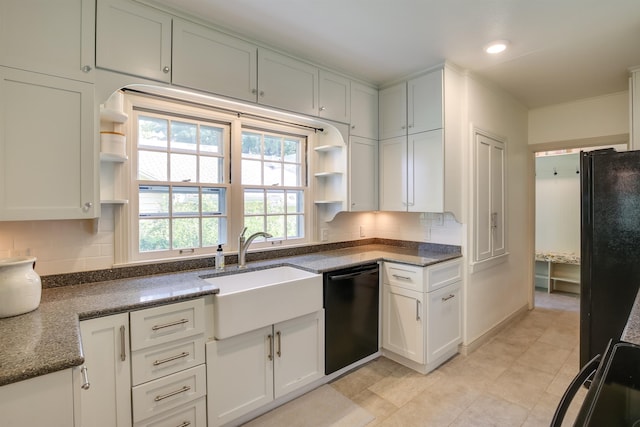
<point x="353" y="126"/>
<point x="254" y="91"/>
<point x="86" y="69"/>
<point x="262" y="93"/>
<point x="166" y="69"/>
<point x="87" y="206"/>
<point x="322" y="108"/>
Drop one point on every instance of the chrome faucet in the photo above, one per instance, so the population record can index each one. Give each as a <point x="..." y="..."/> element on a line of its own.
<point x="243" y="245"/>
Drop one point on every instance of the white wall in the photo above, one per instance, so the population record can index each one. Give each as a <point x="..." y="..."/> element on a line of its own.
<point x="558" y="203"/>
<point x="497" y="293"/>
<point x="586" y="119"/>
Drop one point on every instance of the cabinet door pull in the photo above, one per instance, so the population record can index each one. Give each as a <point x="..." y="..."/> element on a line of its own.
<point x="168" y="325"/>
<point x="170" y="359"/>
<point x="184" y="424"/>
<point x="279" y="352"/>
<point x="172" y="393"/>
<point x="123" y="354"/>
<point x="396" y="276"/>
<point x="85" y="379"/>
<point x="270" y="338"/>
<point x="418" y="310"/>
<point x="448" y="298"/>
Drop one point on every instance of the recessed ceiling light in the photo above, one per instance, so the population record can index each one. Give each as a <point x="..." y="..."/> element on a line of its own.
<point x="496" y="46"/>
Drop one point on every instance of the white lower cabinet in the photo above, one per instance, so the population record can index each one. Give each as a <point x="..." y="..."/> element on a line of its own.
<point x="422" y="313"/>
<point x="46" y="400"/>
<point x="248" y="371"/>
<point x="103" y="384"/>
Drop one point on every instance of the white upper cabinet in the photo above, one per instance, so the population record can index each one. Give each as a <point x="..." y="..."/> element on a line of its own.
<point x="393" y="111"/>
<point x="287" y="83"/>
<point x="335" y="97"/>
<point x="50" y="37"/>
<point x="133" y="39"/>
<point x="208" y="60"/>
<point x="424" y="103"/>
<point x="364" y="111"/>
<point x="363" y="174"/>
<point x="47" y="148"/>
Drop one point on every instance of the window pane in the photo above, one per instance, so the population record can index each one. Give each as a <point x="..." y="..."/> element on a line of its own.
<point x="292" y="175"/>
<point x="272" y="148"/>
<point x="251" y="172"/>
<point x="295" y="226"/>
<point x="211" y="170"/>
<point x="152" y="132"/>
<point x="251" y="147"/>
<point x="183" y="168"/>
<point x="213" y="201"/>
<point x="186" y="201"/>
<point x="152" y="166"/>
<point x="183" y="136"/>
<point x="275" y="226"/>
<point x="275" y="202"/>
<point x="153" y="200"/>
<point x="213" y="231"/>
<point x="272" y="174"/>
<point x="186" y="233"/>
<point x="211" y="139"/>
<point x="254" y="224"/>
<point x="295" y="202"/>
<point x="153" y="235"/>
<point x="292" y="150"/>
<point x="254" y="202"/>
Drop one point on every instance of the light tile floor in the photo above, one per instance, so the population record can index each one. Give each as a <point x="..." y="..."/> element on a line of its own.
<point x="515" y="379"/>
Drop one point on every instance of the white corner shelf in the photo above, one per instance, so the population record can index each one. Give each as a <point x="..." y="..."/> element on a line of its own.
<point x="325" y="174"/>
<point x="113" y="158"/>
<point x="324" y="148"/>
<point x="114" y="202"/>
<point x="114" y="116"/>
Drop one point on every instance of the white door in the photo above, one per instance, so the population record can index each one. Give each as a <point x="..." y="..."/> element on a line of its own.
<point x="444" y="322"/>
<point x="239" y="375"/>
<point x="393" y="111"/>
<point x="47" y="148"/>
<point x="403" y="322"/>
<point x="286" y="83"/>
<point x="425" y="103"/>
<point x="363" y="174"/>
<point x="335" y="97"/>
<point x="207" y="60"/>
<point x="298" y="352"/>
<point x="393" y="174"/>
<point x="50" y="37"/>
<point x="364" y="111"/>
<point x="425" y="182"/>
<point x="107" y="400"/>
<point x="133" y="39"/>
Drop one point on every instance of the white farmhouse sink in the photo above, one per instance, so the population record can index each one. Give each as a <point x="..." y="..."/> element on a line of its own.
<point x="253" y="299"/>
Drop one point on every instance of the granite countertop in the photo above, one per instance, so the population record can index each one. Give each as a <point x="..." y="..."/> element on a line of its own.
<point x="631" y="331"/>
<point x="48" y="339"/>
<point x="558" y="257"/>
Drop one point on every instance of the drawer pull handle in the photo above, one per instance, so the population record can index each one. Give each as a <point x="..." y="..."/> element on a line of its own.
<point x="173" y="393"/>
<point x="270" y="338"/>
<point x="123" y="354"/>
<point x="418" y="310"/>
<point x="85" y="379"/>
<point x="401" y="277"/>
<point x="279" y="352"/>
<point x="172" y="358"/>
<point x="184" y="424"/>
<point x="448" y="298"/>
<point x="168" y="325"/>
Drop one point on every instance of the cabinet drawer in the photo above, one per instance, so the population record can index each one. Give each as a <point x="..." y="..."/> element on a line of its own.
<point x="159" y="325"/>
<point x="193" y="414"/>
<point x="154" y="362"/>
<point x="443" y="274"/>
<point x="403" y="275"/>
<point x="168" y="392"/>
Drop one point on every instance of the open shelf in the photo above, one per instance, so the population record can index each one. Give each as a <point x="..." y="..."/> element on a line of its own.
<point x="324" y="148"/>
<point x="114" y="116"/>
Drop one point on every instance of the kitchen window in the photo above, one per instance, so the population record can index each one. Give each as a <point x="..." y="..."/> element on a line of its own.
<point x="198" y="176"/>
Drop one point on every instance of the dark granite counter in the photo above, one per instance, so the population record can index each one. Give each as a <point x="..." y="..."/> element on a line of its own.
<point x="48" y="339"/>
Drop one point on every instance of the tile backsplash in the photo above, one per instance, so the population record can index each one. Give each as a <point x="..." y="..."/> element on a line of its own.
<point x="83" y="245"/>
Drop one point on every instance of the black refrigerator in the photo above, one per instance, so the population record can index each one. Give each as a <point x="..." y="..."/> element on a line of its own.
<point x="610" y="246"/>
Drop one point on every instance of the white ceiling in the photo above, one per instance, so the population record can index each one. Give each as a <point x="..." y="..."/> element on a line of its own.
<point x="561" y="50"/>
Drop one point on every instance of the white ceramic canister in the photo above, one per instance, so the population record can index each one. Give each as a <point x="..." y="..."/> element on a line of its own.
<point x="20" y="286"/>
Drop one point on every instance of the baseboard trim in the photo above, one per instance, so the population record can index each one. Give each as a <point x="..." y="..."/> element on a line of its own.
<point x="466" y="349"/>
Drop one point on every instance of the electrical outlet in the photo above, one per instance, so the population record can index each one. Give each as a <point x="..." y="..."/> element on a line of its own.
<point x="324" y="234"/>
<point x="362" y="231"/>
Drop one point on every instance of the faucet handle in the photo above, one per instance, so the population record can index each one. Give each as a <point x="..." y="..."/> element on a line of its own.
<point x="244" y="230"/>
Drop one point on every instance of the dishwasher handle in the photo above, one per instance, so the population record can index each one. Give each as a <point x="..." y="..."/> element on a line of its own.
<point x="585" y="373"/>
<point x="354" y="274"/>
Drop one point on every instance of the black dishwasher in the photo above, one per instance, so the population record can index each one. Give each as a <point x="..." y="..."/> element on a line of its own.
<point x="351" y="307"/>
